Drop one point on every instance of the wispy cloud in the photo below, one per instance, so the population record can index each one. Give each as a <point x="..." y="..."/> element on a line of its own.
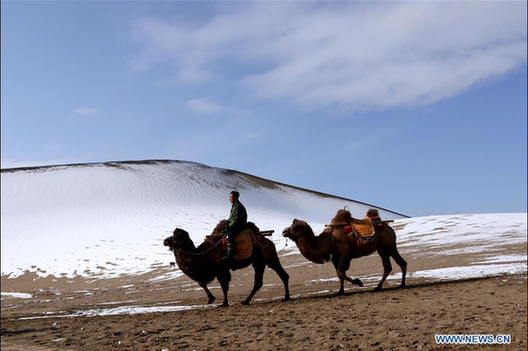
<point x="204" y="106"/>
<point x="85" y="111"/>
<point x="350" y="55"/>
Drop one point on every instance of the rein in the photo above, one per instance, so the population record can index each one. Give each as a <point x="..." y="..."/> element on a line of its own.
<point x="201" y="253"/>
<point x="215" y="245"/>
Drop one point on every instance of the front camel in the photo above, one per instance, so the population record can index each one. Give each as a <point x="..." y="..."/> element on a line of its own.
<point x="205" y="263"/>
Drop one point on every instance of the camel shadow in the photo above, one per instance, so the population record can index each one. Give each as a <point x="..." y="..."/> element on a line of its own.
<point x="395" y="288"/>
<point x="6" y="332"/>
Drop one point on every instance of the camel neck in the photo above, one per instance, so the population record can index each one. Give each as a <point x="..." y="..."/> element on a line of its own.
<point x="187" y="247"/>
<point x="315" y="248"/>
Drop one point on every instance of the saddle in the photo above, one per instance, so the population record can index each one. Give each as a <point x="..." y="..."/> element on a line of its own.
<point x="363" y="231"/>
<point x="244" y="242"/>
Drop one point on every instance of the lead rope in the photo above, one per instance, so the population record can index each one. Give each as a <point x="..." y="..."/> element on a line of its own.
<point x="285" y="246"/>
<point x="215" y="245"/>
<point x="204" y="252"/>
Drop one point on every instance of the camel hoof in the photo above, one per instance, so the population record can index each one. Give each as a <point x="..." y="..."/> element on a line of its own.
<point x="225" y="304"/>
<point x="358" y="282"/>
<point x="211" y="300"/>
<point x="402" y="286"/>
<point x="245" y="302"/>
<point x="340" y="293"/>
<point x="286" y="299"/>
<point x="378" y="288"/>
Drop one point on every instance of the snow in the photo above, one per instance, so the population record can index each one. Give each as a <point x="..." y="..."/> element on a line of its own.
<point x="484" y="237"/>
<point x="17" y="295"/>
<point x="123" y="310"/>
<point x="166" y="276"/>
<point x="106" y="220"/>
<point x="468" y="272"/>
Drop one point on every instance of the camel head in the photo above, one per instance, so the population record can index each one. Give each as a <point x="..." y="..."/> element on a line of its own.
<point x="178" y="238"/>
<point x="297" y="228"/>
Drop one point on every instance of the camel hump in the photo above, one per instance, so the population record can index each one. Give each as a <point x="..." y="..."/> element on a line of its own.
<point x="342" y="217"/>
<point x="252" y="227"/>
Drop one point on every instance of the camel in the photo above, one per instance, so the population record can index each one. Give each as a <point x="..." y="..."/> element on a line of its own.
<point x="321" y="249"/>
<point x="333" y="243"/>
<point x="204" y="263"/>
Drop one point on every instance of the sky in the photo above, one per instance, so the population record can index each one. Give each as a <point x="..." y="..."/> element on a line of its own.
<point x="417" y="107"/>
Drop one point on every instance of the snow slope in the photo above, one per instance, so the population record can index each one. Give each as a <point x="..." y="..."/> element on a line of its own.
<point x="465" y="246"/>
<point x="110" y="219"/>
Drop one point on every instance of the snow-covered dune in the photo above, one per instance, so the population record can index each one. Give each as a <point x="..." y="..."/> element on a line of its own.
<point x="464" y="246"/>
<point x="110" y="219"/>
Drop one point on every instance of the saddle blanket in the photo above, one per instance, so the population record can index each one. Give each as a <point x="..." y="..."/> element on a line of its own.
<point x="243" y="245"/>
<point x="362" y="227"/>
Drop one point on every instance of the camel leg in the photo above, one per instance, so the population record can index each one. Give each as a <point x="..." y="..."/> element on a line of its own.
<point x="335" y="262"/>
<point x="271" y="258"/>
<point x="401" y="262"/>
<point x="277" y="267"/>
<point x="341" y="284"/>
<point x="224" y="279"/>
<point x="342" y="277"/>
<point x="387" y="268"/>
<point x="259" y="274"/>
<point x="209" y="295"/>
<point x="342" y="267"/>
<point x="348" y="279"/>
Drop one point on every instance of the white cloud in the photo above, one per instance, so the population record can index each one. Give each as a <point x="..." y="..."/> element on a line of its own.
<point x="85" y="111"/>
<point x="351" y="55"/>
<point x="203" y="106"/>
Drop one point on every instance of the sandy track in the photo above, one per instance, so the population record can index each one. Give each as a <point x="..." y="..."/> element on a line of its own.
<point x="395" y="319"/>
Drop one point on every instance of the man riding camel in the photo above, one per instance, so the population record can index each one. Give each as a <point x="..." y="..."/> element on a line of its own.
<point x="237" y="223"/>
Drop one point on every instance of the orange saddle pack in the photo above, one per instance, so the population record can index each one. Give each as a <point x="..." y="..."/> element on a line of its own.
<point x="243" y="244"/>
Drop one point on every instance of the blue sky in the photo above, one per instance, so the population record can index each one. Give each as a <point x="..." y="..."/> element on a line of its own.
<point x="418" y="107"/>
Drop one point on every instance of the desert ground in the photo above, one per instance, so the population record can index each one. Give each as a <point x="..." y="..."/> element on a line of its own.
<point x="142" y="313"/>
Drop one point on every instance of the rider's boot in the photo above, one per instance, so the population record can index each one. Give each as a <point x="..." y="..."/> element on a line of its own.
<point x="230" y="256"/>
